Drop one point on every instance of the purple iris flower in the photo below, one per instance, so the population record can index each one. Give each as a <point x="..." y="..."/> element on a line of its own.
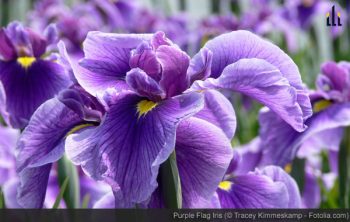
<point x="302" y="13"/>
<point x="73" y="24"/>
<point x="42" y="141"/>
<point x="28" y="72"/>
<point x="8" y="177"/>
<point x="280" y="144"/>
<point x="325" y="128"/>
<point x="267" y="187"/>
<point x="156" y="100"/>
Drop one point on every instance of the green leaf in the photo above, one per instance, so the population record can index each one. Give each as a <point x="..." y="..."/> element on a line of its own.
<point x="61" y="193"/>
<point x="2" y="200"/>
<point x="344" y="170"/>
<point x="72" y="195"/>
<point x="298" y="172"/>
<point x="169" y="183"/>
<point x="86" y="201"/>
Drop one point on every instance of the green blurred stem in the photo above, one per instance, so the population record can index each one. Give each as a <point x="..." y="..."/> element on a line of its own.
<point x="67" y="170"/>
<point x="298" y="172"/>
<point x="170" y="185"/>
<point x="344" y="170"/>
<point x="4" y="12"/>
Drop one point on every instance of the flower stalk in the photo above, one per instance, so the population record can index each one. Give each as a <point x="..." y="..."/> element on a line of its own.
<point x="72" y="194"/>
<point x="344" y="170"/>
<point x="170" y="184"/>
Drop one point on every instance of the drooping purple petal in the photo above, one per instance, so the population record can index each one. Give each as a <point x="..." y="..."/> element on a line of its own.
<point x="128" y="147"/>
<point x="219" y="111"/>
<point x="231" y="47"/>
<point x="203" y="153"/>
<point x="42" y="140"/>
<point x="265" y="83"/>
<point x="27" y="88"/>
<point x="33" y="184"/>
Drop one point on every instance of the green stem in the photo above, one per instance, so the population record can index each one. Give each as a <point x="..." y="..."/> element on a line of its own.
<point x="344" y="170"/>
<point x="170" y="185"/>
<point x="67" y="170"/>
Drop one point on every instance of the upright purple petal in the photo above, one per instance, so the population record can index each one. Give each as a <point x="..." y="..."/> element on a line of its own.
<point x="7" y="50"/>
<point x="200" y="66"/>
<point x="130" y="144"/>
<point x="106" y="59"/>
<point x="144" y="57"/>
<point x="144" y="85"/>
<point x="174" y="63"/>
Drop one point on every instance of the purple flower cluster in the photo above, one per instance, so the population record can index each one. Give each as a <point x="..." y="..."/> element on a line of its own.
<point x="119" y="100"/>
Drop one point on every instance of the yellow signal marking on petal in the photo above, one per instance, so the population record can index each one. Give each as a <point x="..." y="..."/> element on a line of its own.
<point x="144" y="106"/>
<point x="225" y="185"/>
<point x="288" y="168"/>
<point x="26" y="61"/>
<point x="77" y="128"/>
<point x="321" y="105"/>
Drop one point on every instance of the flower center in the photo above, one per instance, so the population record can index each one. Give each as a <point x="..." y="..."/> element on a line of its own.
<point x="321" y="105"/>
<point x="144" y="106"/>
<point x="26" y="61"/>
<point x="225" y="185"/>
